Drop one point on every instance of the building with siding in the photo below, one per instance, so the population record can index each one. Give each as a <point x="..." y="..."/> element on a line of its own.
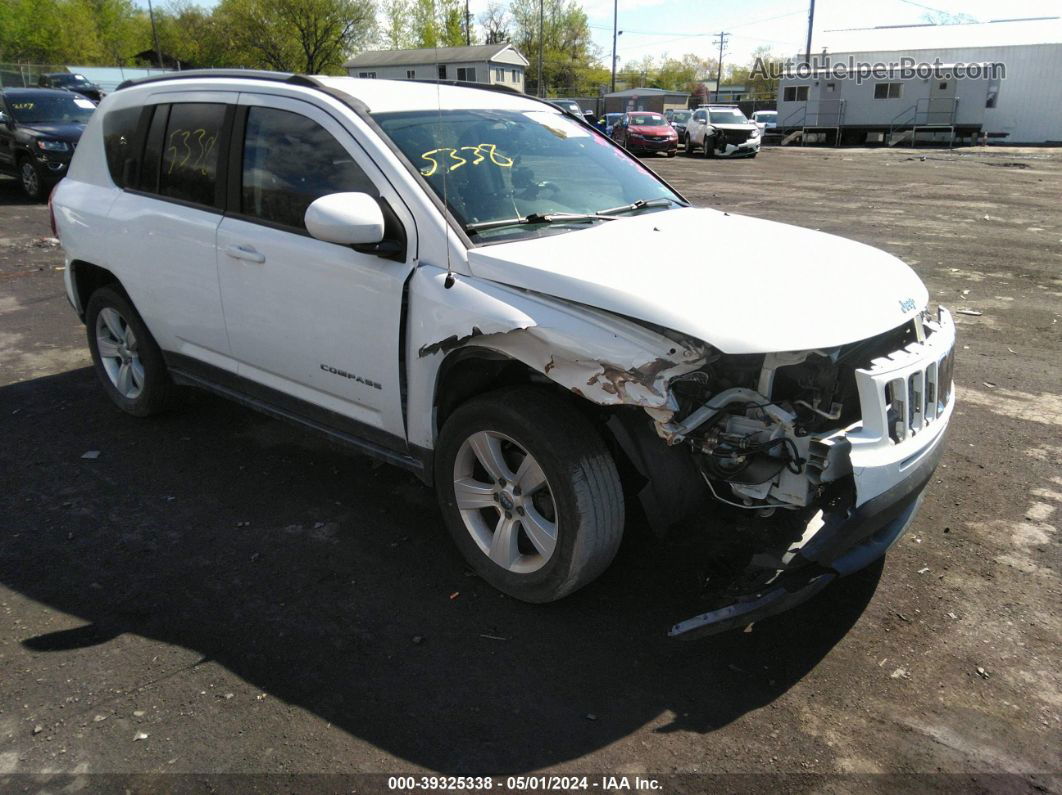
<point x="1024" y="107"/>
<point x="495" y="64"/>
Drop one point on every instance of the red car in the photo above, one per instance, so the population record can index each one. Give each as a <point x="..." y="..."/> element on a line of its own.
<point x="643" y="132"/>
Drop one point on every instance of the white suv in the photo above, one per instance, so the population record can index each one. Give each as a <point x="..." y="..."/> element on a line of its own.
<point x="721" y="131"/>
<point x="479" y="288"/>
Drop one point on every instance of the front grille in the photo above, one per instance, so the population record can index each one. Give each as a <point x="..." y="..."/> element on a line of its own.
<point x="736" y="137"/>
<point x="914" y="400"/>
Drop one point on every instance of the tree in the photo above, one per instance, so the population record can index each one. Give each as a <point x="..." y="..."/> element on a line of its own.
<point x="194" y="36"/>
<point x="426" y="32"/>
<point x="452" y="23"/>
<point x="570" y="59"/>
<point x="311" y="36"/>
<point x="396" y="32"/>
<point x="495" y="21"/>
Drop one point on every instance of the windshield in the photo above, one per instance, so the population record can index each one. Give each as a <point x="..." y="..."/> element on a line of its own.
<point x="58" y="107"/>
<point x="728" y="117"/>
<point x="69" y="80"/>
<point x="765" y="116"/>
<point x="647" y="120"/>
<point x="681" y="116"/>
<point x="502" y="164"/>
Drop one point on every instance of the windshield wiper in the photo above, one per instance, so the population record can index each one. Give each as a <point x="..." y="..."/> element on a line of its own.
<point x="540" y="218"/>
<point x="638" y="205"/>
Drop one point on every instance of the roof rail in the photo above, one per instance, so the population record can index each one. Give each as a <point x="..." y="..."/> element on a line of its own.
<point x="244" y="74"/>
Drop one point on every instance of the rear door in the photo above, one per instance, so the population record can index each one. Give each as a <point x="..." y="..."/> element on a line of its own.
<point x="164" y="225"/>
<point x="316" y="321"/>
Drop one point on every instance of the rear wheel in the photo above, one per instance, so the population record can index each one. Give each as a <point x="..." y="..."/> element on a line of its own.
<point x="529" y="492"/>
<point x="128" y="361"/>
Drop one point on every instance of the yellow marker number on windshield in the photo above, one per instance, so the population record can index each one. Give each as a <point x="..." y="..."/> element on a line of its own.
<point x="478" y="154"/>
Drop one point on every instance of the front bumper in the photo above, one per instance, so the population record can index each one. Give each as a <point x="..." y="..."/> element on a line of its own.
<point x="844" y="544"/>
<point x="646" y="145"/>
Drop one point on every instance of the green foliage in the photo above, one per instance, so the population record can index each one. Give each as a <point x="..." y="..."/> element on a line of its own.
<point x="570" y="63"/>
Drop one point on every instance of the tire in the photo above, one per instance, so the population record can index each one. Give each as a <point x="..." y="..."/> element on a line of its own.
<point x="579" y="490"/>
<point x="709" y="148"/>
<point x="688" y="146"/>
<point x="135" y="376"/>
<point x="672" y="154"/>
<point x="31" y="179"/>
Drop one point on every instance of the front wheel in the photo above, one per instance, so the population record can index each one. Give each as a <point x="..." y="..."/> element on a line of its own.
<point x="29" y="176"/>
<point x="529" y="492"/>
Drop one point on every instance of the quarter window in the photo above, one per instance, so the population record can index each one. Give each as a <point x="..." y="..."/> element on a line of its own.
<point x="290" y="160"/>
<point x="119" y="134"/>
<point x="190" y="152"/>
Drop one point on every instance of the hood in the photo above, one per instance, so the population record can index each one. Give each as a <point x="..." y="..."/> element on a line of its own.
<point x="759" y="287"/>
<point x="71" y="133"/>
<point x="638" y="129"/>
<point x="751" y="125"/>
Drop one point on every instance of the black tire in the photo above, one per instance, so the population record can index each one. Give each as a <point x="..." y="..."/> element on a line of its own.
<point x="157" y="392"/>
<point x="31" y="179"/>
<point x="709" y="147"/>
<point x="581" y="478"/>
<point x="688" y="146"/>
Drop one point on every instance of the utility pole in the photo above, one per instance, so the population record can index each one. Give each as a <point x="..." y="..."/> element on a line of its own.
<point x="155" y="33"/>
<point x="811" y="25"/>
<point x="615" y="20"/>
<point x="468" y="25"/>
<point x="719" y="68"/>
<point x="541" y="27"/>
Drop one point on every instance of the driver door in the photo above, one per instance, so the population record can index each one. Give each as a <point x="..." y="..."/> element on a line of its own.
<point x="317" y="322"/>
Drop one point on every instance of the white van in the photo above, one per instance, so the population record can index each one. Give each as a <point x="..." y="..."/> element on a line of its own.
<point x="472" y="285"/>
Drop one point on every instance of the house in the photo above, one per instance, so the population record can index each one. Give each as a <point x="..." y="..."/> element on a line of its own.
<point x="994" y="80"/>
<point x="496" y="64"/>
<point x="650" y="99"/>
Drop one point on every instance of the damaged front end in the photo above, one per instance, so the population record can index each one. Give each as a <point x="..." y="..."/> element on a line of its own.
<point x="837" y="443"/>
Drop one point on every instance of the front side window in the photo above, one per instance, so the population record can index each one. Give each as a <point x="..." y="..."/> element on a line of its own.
<point x="495" y="165"/>
<point x="190" y="152"/>
<point x="290" y="160"/>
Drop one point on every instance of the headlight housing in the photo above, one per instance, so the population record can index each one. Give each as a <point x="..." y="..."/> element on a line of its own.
<point x="754" y="134"/>
<point x="53" y="146"/>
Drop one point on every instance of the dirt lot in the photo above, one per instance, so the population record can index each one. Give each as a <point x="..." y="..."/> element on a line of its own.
<point x="220" y="593"/>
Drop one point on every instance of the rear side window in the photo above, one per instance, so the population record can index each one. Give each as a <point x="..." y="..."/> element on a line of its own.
<point x="119" y="135"/>
<point x="290" y="160"/>
<point x="190" y="152"/>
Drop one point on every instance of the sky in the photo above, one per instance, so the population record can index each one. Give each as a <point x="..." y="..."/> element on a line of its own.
<point x="674" y="27"/>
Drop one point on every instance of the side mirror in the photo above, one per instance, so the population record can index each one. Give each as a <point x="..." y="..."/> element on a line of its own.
<point x="348" y="219"/>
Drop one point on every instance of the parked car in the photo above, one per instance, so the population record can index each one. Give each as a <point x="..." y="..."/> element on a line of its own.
<point x="478" y="288"/>
<point x="39" y="130"/>
<point x="721" y="131"/>
<point x="568" y="105"/>
<point x="611" y="120"/>
<point x="679" y="119"/>
<point x="642" y="132"/>
<point x="765" y="119"/>
<point x="71" y="81"/>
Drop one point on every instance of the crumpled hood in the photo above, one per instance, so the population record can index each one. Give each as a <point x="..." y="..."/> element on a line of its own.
<point x="741" y="284"/>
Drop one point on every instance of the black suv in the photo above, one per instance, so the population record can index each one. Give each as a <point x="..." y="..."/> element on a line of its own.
<point x="39" y="130"/>
<point x="71" y="82"/>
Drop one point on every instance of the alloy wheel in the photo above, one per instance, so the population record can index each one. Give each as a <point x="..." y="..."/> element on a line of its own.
<point x="31" y="182"/>
<point x="117" y="346"/>
<point x="505" y="502"/>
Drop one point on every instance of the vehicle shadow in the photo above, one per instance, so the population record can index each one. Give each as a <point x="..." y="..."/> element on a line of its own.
<point x="308" y="572"/>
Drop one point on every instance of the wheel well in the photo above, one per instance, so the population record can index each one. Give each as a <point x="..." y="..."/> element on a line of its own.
<point x="87" y="279"/>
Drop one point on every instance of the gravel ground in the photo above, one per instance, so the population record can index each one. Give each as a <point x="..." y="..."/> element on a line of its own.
<point x="220" y="593"/>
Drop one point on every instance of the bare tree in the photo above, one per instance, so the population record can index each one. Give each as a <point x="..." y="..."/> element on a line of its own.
<point x="495" y="22"/>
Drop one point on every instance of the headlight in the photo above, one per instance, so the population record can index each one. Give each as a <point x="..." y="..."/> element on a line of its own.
<point x="53" y="146"/>
<point x="755" y="133"/>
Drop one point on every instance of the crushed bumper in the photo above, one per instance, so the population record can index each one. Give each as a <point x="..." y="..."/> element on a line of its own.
<point x="843" y="545"/>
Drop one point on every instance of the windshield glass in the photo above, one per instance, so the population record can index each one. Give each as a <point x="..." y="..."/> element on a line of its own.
<point x="681" y="116"/>
<point x="728" y="117"/>
<point x="765" y="115"/>
<point x="502" y="164"/>
<point x="59" y="107"/>
<point x="647" y="120"/>
<point x="68" y="80"/>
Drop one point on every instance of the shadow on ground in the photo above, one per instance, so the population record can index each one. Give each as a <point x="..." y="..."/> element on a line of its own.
<point x="317" y="599"/>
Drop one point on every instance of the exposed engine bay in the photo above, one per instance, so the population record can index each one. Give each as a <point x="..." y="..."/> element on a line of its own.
<point x="768" y="432"/>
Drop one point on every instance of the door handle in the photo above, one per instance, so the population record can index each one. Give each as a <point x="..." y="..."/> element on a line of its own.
<point x="245" y="252"/>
